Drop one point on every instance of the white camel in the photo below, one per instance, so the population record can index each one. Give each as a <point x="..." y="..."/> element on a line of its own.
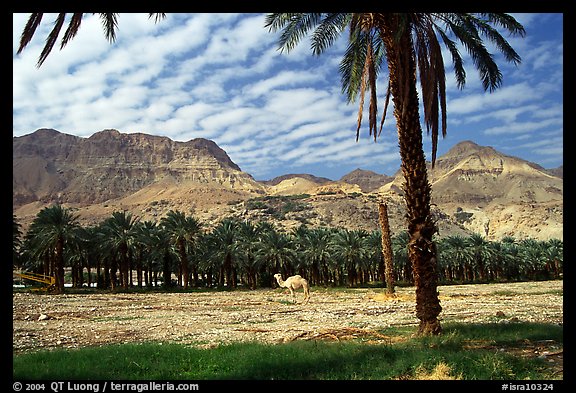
<point x="294" y="283"/>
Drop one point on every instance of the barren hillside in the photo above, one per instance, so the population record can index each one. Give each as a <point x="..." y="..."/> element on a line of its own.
<point x="474" y="188"/>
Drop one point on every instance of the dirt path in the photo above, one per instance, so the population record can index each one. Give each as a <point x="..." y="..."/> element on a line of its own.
<point x="208" y="318"/>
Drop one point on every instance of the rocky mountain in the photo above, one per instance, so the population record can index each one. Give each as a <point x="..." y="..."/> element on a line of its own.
<point x="368" y="181"/>
<point x="50" y="166"/>
<point x="494" y="194"/>
<point x="559" y="172"/>
<point x="474" y="188"/>
<point x="314" y="179"/>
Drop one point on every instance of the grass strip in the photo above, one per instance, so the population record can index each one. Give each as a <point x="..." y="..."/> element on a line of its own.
<point x="463" y="351"/>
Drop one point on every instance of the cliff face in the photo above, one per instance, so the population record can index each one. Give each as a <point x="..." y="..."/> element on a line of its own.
<point x="470" y="173"/>
<point x="494" y="194"/>
<point x="50" y="166"/>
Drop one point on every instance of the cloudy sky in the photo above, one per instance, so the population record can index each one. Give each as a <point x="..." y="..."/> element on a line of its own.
<point x="220" y="76"/>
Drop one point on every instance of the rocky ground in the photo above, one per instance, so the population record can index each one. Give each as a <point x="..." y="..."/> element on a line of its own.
<point x="206" y="319"/>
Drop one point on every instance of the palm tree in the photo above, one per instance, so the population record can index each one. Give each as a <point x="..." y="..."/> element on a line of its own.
<point x="162" y="250"/>
<point x="248" y="243"/>
<point x="16" y="240"/>
<point x="400" y="251"/>
<point x="482" y="253"/>
<point x="119" y="235"/>
<point x="555" y="254"/>
<point x="146" y="240"/>
<point x="376" y="258"/>
<point x="386" y="247"/>
<point x="53" y="229"/>
<point x="457" y="257"/>
<point x="276" y="251"/>
<point x="224" y="242"/>
<point x="314" y="248"/>
<point x="182" y="231"/>
<point x="350" y="247"/>
<point x="508" y="255"/>
<point x="409" y="43"/>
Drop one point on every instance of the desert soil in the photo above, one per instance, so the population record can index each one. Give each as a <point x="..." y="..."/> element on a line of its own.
<point x="206" y="319"/>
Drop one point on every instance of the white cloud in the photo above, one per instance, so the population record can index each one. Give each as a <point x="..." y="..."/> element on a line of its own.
<point x="505" y="96"/>
<point x="521" y="127"/>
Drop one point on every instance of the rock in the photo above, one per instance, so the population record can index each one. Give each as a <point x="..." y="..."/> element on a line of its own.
<point x="43" y="317"/>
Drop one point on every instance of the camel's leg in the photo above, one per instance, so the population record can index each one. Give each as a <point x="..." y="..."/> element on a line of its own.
<point x="293" y="294"/>
<point x="306" y="294"/>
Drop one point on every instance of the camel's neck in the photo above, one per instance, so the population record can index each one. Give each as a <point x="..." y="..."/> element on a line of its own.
<point x="280" y="281"/>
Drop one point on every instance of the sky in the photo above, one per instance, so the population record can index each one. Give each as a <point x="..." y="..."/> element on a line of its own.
<point x="221" y="77"/>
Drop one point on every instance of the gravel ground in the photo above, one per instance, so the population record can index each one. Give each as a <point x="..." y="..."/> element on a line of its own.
<point x="205" y="319"/>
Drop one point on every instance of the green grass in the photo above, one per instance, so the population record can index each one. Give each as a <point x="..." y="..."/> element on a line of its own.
<point x="472" y="351"/>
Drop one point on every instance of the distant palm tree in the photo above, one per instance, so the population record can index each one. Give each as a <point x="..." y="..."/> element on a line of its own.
<point x="482" y="252"/>
<point x="508" y="255"/>
<point x="150" y="244"/>
<point x="119" y="235"/>
<point x="16" y="240"/>
<point x="350" y="247"/>
<point x="533" y="257"/>
<point x="314" y="247"/>
<point x="276" y="251"/>
<point x="53" y="229"/>
<point x="183" y="232"/>
<point x="456" y="257"/>
<point x="410" y="45"/>
<point x="555" y="254"/>
<point x="401" y="262"/>
<point x="144" y="250"/>
<point x="224" y="241"/>
<point x="376" y="258"/>
<point x="248" y="243"/>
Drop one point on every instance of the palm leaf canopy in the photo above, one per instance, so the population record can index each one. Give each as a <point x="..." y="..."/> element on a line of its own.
<point x="366" y="53"/>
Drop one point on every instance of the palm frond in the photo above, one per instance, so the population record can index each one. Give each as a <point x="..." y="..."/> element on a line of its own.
<point x="506" y="21"/>
<point x="457" y="61"/>
<point x="52" y="37"/>
<point x="295" y="27"/>
<point x="157" y="16"/>
<point x="352" y="64"/>
<point x="72" y="29"/>
<point x="329" y="29"/>
<point x="109" y="23"/>
<point x="495" y="37"/>
<point x="29" y="30"/>
<point x="465" y="30"/>
<point x="432" y="79"/>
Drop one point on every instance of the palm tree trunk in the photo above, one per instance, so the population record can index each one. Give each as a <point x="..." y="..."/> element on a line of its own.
<point x="386" y="248"/>
<point x="166" y="272"/>
<point x="183" y="262"/>
<point x="59" y="258"/>
<point x="417" y="190"/>
<point x="124" y="266"/>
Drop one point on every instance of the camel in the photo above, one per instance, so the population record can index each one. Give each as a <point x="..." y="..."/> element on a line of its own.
<point x="294" y="283"/>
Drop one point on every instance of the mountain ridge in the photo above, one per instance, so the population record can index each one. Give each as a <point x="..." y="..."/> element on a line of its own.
<point x="49" y="165"/>
<point x="147" y="174"/>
